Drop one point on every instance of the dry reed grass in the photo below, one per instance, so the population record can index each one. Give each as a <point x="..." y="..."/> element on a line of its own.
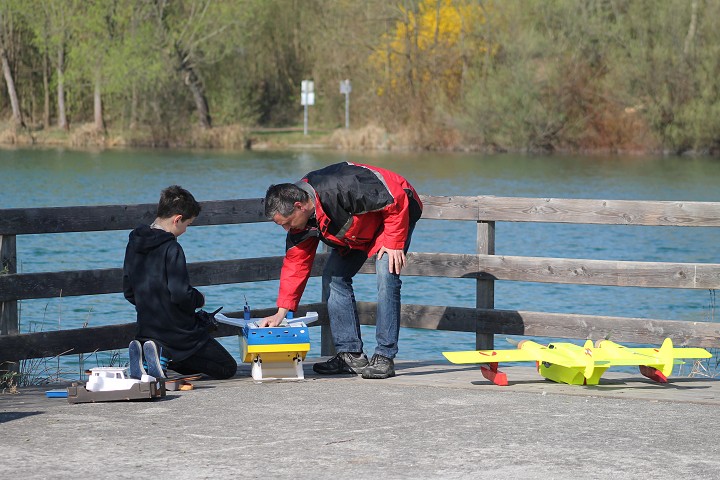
<point x="47" y="370"/>
<point x="370" y="137"/>
<point x="87" y="135"/>
<point x="230" y="137"/>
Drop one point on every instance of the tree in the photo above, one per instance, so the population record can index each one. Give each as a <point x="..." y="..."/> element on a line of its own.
<point x="667" y="68"/>
<point x="274" y="52"/>
<point x="92" y="33"/>
<point x="49" y="21"/>
<point x="6" y="40"/>
<point x="550" y="83"/>
<point x="422" y="60"/>
<point x="196" y="34"/>
<point x="39" y="25"/>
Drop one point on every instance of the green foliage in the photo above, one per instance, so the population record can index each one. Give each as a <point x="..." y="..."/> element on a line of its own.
<point x="537" y="74"/>
<point x="422" y="60"/>
<point x="274" y="58"/>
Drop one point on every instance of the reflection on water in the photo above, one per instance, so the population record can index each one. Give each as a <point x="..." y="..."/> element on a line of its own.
<point x="34" y="178"/>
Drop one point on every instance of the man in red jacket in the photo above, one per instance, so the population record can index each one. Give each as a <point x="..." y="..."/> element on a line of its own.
<point x="359" y="211"/>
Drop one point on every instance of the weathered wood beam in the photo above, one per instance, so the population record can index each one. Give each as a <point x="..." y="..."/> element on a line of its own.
<point x="448" y="265"/>
<point x="24" y="286"/>
<point x="110" y="337"/>
<point x="562" y="270"/>
<point x="450" y="208"/>
<point x="558" y="325"/>
<point x="596" y="327"/>
<point x="485" y="287"/>
<point x="604" y="212"/>
<point x="18" y="221"/>
<point x="459" y="319"/>
<point x="8" y="266"/>
<point x="601" y="272"/>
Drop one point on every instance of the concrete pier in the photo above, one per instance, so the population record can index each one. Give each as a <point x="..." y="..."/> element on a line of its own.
<point x="431" y="421"/>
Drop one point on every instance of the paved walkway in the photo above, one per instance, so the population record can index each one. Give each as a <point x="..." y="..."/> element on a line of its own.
<point x="431" y="421"/>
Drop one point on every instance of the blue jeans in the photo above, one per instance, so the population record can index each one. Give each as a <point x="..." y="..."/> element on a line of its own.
<point x="342" y="309"/>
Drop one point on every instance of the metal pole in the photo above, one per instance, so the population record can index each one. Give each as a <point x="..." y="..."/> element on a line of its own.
<point x="306" y="120"/>
<point x="347" y="110"/>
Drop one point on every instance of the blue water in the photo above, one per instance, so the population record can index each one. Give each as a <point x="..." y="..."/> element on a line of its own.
<point x="35" y="177"/>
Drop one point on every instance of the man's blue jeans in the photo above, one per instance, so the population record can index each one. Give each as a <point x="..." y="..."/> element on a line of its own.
<point x="344" y="322"/>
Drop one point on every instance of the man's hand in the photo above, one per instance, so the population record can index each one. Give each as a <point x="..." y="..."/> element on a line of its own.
<point x="273" y="320"/>
<point x="396" y="259"/>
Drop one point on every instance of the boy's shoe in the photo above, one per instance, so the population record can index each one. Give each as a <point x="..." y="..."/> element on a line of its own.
<point x="343" y="362"/>
<point x="153" y="360"/>
<point x="135" y="353"/>
<point x="379" y="367"/>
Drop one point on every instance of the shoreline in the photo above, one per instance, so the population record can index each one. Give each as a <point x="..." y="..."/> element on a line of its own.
<point x="241" y="139"/>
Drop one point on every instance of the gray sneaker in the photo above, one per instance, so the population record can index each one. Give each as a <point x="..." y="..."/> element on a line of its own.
<point x="379" y="367"/>
<point x="343" y="362"/>
<point x="152" y="359"/>
<point x="136" y="360"/>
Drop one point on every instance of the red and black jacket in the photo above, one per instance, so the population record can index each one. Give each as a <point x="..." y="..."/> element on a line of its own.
<point x="357" y="207"/>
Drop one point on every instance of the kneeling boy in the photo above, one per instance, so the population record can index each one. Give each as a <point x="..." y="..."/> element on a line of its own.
<point x="156" y="281"/>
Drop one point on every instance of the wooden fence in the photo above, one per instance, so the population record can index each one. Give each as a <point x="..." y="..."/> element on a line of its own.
<point x="484" y="267"/>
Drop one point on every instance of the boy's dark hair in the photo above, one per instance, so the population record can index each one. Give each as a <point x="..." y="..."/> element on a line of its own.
<point x="281" y="199"/>
<point x="175" y="200"/>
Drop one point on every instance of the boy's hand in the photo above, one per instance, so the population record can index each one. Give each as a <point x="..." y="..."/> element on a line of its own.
<point x="273" y="320"/>
<point x="207" y="320"/>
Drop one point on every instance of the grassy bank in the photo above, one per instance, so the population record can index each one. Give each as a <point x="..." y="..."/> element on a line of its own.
<point x="238" y="137"/>
<point x="231" y="137"/>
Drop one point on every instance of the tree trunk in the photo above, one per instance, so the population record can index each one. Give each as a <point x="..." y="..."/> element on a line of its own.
<point x="194" y="83"/>
<point x="12" y="92"/>
<point x="198" y="91"/>
<point x="97" y="105"/>
<point x="134" y="106"/>
<point x="62" y="119"/>
<point x="7" y="73"/>
<point x="46" y="89"/>
<point x="690" y="37"/>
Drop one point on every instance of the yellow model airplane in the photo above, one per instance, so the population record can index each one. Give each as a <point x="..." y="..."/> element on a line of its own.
<point x="579" y="365"/>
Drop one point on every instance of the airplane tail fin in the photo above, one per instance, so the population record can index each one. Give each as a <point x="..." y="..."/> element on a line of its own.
<point x="660" y="371"/>
<point x="670" y="355"/>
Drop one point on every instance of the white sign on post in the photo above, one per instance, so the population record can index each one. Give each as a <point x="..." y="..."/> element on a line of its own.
<point x="307" y="97"/>
<point x="345" y="87"/>
<point x="307" y="92"/>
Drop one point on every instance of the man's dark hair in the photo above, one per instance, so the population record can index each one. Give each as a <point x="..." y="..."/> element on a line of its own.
<point x="175" y="200"/>
<point x="281" y="199"/>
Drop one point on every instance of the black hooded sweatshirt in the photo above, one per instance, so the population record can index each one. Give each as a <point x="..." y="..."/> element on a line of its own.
<point x="156" y="281"/>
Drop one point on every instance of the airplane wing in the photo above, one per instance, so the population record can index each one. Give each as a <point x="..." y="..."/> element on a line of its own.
<point x="623" y="356"/>
<point x="527" y="351"/>
<point x="490" y="356"/>
<point x="682" y="352"/>
<point x="616" y="353"/>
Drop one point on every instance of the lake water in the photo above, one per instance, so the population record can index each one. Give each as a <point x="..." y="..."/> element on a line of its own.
<point x="40" y="177"/>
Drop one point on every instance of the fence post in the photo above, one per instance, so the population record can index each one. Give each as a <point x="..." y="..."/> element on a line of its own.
<point x="485" y="289"/>
<point x="8" y="310"/>
<point x="8" y="264"/>
<point x="327" y="346"/>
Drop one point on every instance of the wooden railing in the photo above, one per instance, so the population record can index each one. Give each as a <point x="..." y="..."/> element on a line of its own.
<point x="484" y="267"/>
